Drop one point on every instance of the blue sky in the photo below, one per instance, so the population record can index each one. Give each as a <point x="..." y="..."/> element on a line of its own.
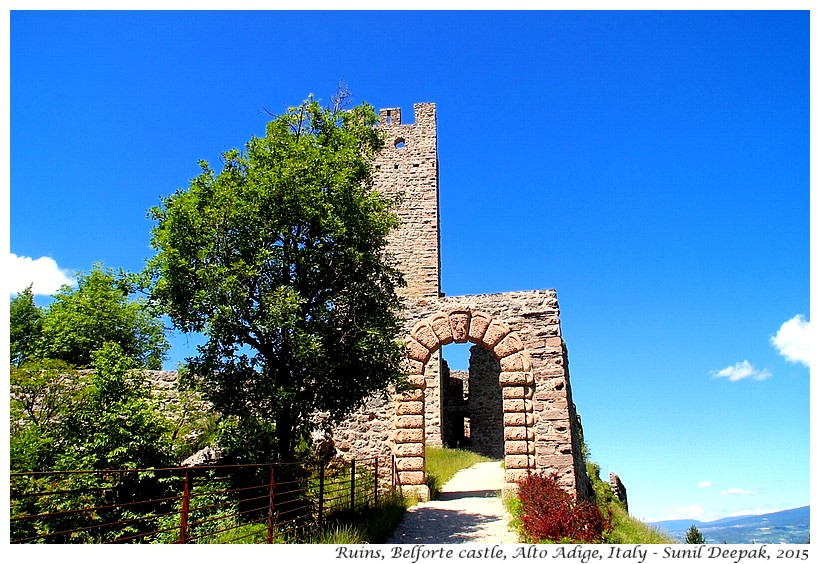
<point x="653" y="167"/>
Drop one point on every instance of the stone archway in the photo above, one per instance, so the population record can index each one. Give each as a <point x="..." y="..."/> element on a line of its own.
<point x="462" y="325"/>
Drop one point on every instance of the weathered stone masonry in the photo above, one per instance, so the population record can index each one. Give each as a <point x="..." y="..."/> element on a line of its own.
<point x="521" y="381"/>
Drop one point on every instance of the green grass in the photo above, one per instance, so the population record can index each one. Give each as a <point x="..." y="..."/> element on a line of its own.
<point x="628" y="530"/>
<point x="370" y="527"/>
<point x="443" y="463"/>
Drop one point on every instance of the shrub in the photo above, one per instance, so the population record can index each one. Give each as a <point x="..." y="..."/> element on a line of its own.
<point x="549" y="513"/>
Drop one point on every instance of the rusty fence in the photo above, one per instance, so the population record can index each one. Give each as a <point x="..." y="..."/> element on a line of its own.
<point x="261" y="503"/>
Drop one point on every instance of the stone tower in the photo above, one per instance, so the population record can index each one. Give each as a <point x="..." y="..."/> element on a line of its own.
<point x="408" y="167"/>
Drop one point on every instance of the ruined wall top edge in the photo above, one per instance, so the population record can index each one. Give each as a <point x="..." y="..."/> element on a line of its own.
<point x="551" y="292"/>
<point x="424" y="112"/>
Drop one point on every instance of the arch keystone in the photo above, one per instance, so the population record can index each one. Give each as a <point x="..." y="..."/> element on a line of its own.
<point x="460" y="325"/>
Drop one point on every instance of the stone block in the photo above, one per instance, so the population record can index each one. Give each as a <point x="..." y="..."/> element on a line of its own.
<point x="510" y="344"/>
<point x="516" y="419"/>
<point x="412" y="395"/>
<point x="409" y="436"/>
<point x="555" y="462"/>
<point x="554" y="343"/>
<point x="519" y="434"/>
<point x="416" y="381"/>
<point x="460" y="325"/>
<point x="513" y="363"/>
<point x="409" y="449"/>
<point x="513" y="392"/>
<point x="519" y="447"/>
<point x="417" y="351"/>
<point x="517" y="406"/>
<point x="410" y="422"/>
<point x="495" y="332"/>
<point x="440" y="323"/>
<point x="478" y="326"/>
<point x="424" y="334"/>
<point x="412" y="478"/>
<point x="410" y="366"/>
<point x="515" y="476"/>
<point x="410" y="408"/>
<point x="515" y="379"/>
<point x="518" y="461"/>
<point x="406" y="463"/>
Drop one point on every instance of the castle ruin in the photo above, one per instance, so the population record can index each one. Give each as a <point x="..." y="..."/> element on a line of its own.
<point x="515" y="401"/>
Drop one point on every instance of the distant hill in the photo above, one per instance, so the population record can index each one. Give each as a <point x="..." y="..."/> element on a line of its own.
<point x="789" y="526"/>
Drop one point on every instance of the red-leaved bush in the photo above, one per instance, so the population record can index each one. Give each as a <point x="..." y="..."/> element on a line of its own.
<point x="551" y="513"/>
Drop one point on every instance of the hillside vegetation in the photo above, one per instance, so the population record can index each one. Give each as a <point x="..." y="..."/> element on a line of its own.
<point x="625" y="529"/>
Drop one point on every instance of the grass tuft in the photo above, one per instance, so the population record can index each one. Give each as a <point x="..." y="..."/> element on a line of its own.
<point x="370" y="527"/>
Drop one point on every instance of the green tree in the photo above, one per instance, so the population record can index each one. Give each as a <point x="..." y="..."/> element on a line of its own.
<point x="99" y="419"/>
<point x="86" y="419"/>
<point x="279" y="261"/>
<point x="101" y="309"/>
<point x="694" y="536"/>
<point x="25" y="327"/>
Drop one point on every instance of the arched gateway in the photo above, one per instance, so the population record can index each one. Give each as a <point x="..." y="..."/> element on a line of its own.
<point x="461" y="325"/>
<point x="521" y="330"/>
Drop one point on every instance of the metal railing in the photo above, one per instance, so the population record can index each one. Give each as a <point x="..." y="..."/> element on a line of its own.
<point x="256" y="503"/>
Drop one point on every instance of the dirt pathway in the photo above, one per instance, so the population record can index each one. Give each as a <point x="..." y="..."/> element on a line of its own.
<point x="469" y="510"/>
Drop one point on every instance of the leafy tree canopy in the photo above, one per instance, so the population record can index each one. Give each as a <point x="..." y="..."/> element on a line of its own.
<point x="279" y="261"/>
<point x="79" y="321"/>
<point x="25" y="327"/>
<point x="694" y="536"/>
<point x="65" y="417"/>
<point x="93" y="419"/>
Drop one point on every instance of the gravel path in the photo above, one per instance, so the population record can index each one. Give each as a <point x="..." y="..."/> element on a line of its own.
<point x="469" y="510"/>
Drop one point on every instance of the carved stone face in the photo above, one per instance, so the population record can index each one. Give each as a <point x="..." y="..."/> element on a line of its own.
<point x="460" y="324"/>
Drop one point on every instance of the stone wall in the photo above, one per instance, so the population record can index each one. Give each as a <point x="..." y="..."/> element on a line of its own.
<point x="618" y="489"/>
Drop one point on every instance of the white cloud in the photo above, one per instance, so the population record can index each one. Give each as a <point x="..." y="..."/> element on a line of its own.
<point x="793" y="340"/>
<point x="42" y="274"/>
<point x="705" y="484"/>
<point x="753" y="511"/>
<point x="740" y="371"/>
<point x="738" y="491"/>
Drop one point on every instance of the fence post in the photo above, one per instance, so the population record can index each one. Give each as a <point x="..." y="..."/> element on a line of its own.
<point x="271" y="503"/>
<point x="375" y="482"/>
<point x="353" y="485"/>
<point x="321" y="491"/>
<point x="186" y="506"/>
